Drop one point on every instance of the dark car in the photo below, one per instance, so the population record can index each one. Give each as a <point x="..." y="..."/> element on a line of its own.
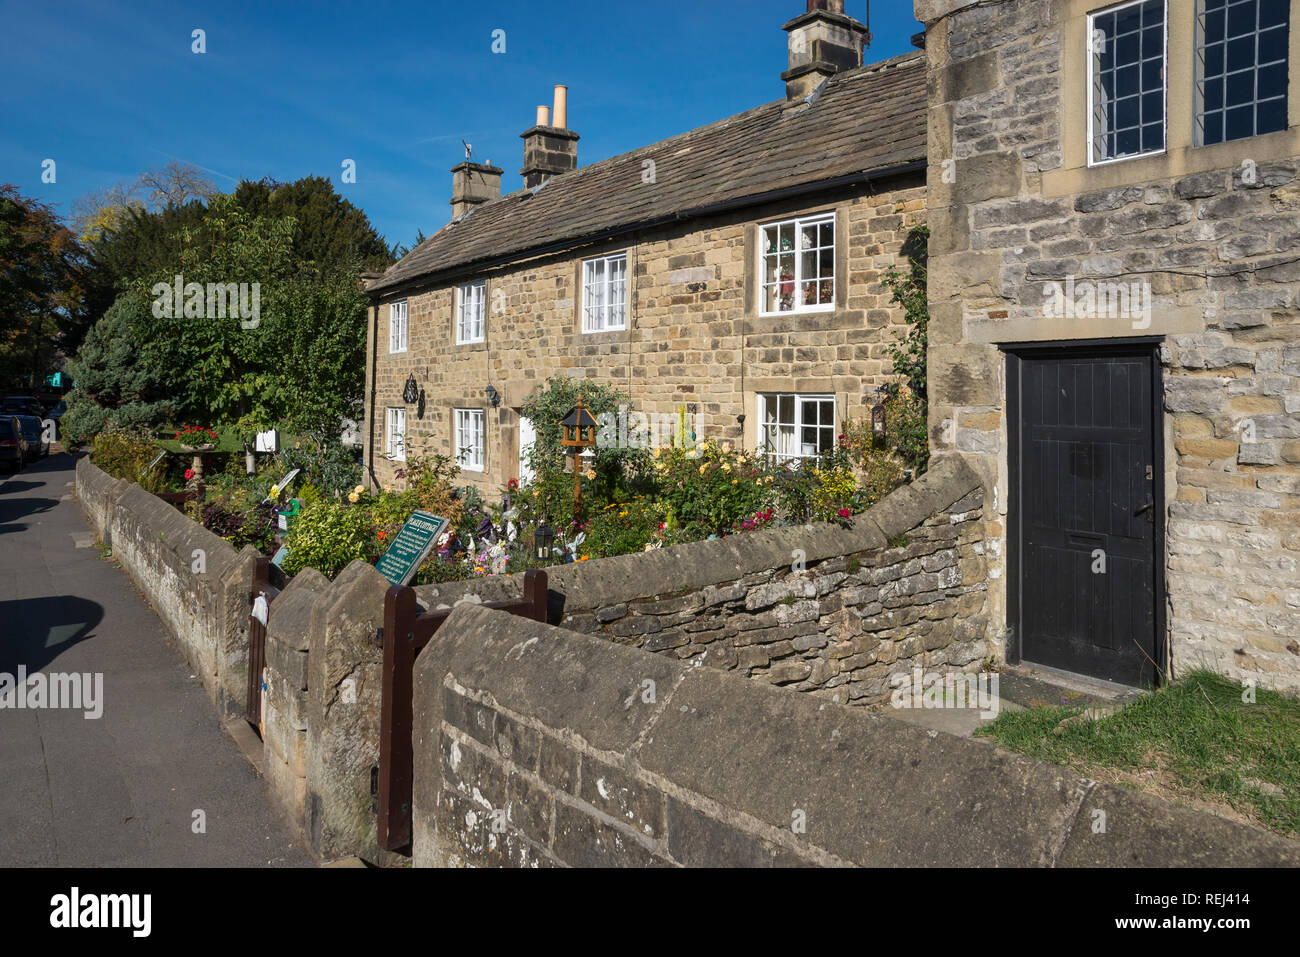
<point x="38" y="443"/>
<point x="22" y="405"/>
<point x="13" y="446"/>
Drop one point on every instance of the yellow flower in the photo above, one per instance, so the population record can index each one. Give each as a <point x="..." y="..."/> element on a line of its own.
<point x="534" y="493"/>
<point x="741" y="460"/>
<point x="726" y="446"/>
<point x="726" y="466"/>
<point x="591" y="475"/>
<point x="359" y="489"/>
<point x="353" y="497"/>
<point x="655" y="451"/>
<point x="734" y="481"/>
<point x="388" y="488"/>
<point x="702" y="468"/>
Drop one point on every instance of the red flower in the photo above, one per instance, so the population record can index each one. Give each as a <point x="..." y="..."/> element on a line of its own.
<point x="844" y="513"/>
<point x="189" y="474"/>
<point x="512" y="484"/>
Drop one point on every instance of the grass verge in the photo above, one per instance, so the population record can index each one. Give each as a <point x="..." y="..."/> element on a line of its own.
<point x="1196" y="741"/>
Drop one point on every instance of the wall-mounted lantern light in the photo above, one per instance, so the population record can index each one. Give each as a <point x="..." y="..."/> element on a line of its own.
<point x="411" y="392"/>
<point x="493" y="396"/>
<point x="878" y="420"/>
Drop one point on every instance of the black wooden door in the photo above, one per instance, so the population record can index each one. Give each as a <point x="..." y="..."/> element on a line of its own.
<point x="1085" y="510"/>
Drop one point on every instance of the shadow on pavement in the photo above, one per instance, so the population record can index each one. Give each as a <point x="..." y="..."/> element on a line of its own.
<point x="35" y="631"/>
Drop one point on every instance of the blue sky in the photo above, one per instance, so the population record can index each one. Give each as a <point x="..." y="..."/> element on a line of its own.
<point x="288" y="89"/>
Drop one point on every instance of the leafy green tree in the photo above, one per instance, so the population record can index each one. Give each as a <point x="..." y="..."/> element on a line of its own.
<point x="332" y="233"/>
<point x="118" y="382"/>
<point x="39" y="288"/>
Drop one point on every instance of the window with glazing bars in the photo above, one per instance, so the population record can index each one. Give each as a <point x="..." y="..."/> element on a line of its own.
<point x="795" y="427"/>
<point x="469" y="312"/>
<point x="1241" y="68"/>
<point x="1126" y="114"/>
<point x="604" y="293"/>
<point x="798" y="265"/>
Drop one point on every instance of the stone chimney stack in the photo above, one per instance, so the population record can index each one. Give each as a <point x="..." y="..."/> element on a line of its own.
<point x="550" y="150"/>
<point x="823" y="41"/>
<point x="471" y="184"/>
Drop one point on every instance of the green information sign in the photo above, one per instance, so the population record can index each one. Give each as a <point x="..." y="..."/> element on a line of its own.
<point x="411" y="547"/>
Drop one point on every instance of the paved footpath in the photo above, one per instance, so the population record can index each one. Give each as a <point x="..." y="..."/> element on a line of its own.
<point x="120" y="790"/>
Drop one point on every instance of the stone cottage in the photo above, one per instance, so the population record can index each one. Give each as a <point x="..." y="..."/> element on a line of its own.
<point x="1115" y="322"/>
<point x="733" y="272"/>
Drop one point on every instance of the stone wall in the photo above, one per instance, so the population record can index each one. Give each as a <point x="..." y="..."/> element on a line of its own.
<point x="693" y="334"/>
<point x="538" y="747"/>
<point x="1212" y="231"/>
<point x="818" y="608"/>
<point x="199" y="585"/>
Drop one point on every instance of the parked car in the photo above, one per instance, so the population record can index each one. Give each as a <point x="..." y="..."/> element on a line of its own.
<point x="38" y="443"/>
<point x="22" y="405"/>
<point x="13" y="446"/>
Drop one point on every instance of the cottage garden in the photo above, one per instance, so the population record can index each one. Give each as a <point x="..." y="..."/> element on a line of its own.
<point x="632" y="499"/>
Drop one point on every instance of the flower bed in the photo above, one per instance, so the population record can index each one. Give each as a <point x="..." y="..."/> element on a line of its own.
<point x="632" y="500"/>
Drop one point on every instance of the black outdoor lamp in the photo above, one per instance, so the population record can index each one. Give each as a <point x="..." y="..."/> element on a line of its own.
<point x="411" y="392"/>
<point x="878" y="421"/>
<point x="543" y="539"/>
<point x="493" y="396"/>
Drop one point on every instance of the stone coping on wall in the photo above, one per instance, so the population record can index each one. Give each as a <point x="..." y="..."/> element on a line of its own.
<point x="586" y="586"/>
<point x="535" y="745"/>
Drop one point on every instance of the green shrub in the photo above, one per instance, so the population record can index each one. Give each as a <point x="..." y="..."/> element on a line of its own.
<point x="328" y="535"/>
<point x="125" y="453"/>
<point x="620" y="528"/>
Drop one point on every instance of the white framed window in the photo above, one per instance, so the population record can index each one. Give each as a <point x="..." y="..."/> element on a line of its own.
<point x="1241" y="68"/>
<point x="1127" y="53"/>
<point x="395" y="445"/>
<point x="793" y="427"/>
<point x="397" y="326"/>
<point x="469" y="312"/>
<point x="797" y="265"/>
<point x="604" y="293"/>
<point x="470" y="439"/>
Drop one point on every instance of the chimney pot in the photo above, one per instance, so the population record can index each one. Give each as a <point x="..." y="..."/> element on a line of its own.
<point x="543" y="116"/>
<point x="561" y="107"/>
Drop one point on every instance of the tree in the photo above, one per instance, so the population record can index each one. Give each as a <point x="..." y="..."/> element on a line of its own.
<point x="331" y="233"/>
<point x="118" y="382"/>
<point x="38" y="286"/>
<point x="175" y="184"/>
<point x="107" y="208"/>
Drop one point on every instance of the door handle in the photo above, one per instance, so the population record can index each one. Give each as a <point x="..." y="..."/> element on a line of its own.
<point x="1144" y="508"/>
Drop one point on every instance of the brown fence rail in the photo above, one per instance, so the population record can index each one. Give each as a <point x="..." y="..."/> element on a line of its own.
<point x="257" y="641"/>
<point x="406" y="632"/>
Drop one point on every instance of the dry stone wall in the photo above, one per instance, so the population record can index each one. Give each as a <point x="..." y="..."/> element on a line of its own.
<point x="197" y="582"/>
<point x="818" y="608"/>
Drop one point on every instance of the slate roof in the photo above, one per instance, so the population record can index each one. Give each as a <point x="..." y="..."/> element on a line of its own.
<point x="871" y="118"/>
